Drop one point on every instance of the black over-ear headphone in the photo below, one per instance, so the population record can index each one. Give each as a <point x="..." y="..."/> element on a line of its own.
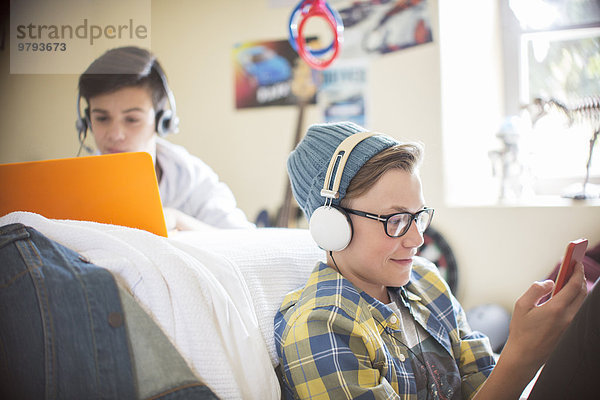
<point x="166" y="120"/>
<point x="82" y="124"/>
<point x="329" y="225"/>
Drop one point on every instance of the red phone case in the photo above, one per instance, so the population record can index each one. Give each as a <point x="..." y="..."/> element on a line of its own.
<point x="574" y="254"/>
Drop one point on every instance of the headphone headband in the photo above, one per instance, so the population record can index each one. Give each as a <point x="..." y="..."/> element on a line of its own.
<point x="339" y="159"/>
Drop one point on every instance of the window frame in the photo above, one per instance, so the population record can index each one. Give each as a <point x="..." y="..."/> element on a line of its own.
<point x="515" y="40"/>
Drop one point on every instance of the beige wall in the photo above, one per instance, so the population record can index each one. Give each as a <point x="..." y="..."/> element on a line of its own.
<point x="500" y="250"/>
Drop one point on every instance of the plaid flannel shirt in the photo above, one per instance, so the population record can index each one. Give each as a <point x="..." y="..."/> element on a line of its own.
<point x="334" y="341"/>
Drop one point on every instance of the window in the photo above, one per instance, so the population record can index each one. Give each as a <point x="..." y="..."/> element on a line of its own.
<point x="491" y="67"/>
<point x="554" y="46"/>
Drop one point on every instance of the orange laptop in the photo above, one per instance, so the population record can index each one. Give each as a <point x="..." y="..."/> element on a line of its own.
<point x="119" y="189"/>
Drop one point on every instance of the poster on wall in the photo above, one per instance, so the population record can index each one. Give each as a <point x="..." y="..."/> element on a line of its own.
<point x="373" y="27"/>
<point x="342" y="93"/>
<point x="264" y="71"/>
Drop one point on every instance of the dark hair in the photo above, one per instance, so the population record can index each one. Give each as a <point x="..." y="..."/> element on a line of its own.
<point x="124" y="67"/>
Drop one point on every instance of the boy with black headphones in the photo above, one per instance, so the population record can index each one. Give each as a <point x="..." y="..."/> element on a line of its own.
<point x="127" y="94"/>
<point x="375" y="321"/>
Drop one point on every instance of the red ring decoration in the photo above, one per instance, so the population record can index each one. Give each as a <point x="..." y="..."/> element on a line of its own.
<point x="319" y="8"/>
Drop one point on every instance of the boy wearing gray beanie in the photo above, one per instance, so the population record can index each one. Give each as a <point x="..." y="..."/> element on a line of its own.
<point x="375" y="320"/>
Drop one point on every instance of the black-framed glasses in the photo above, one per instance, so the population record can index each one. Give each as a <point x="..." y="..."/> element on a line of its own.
<point x="396" y="225"/>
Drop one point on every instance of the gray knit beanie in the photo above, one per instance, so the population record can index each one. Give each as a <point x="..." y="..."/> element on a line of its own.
<point x="307" y="164"/>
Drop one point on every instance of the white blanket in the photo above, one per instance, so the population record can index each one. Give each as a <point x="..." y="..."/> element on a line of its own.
<point x="214" y="293"/>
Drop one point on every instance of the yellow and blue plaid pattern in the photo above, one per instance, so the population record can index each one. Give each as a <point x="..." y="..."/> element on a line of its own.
<point x="336" y="342"/>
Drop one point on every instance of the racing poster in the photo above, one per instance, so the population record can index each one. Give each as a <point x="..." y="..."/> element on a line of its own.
<point x="264" y="72"/>
<point x="374" y="27"/>
<point x="342" y="93"/>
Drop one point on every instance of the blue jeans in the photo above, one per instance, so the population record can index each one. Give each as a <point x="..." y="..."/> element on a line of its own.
<point x="68" y="331"/>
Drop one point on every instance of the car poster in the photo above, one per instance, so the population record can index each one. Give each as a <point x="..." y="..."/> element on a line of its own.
<point x="342" y="92"/>
<point x="264" y="72"/>
<point x="374" y="27"/>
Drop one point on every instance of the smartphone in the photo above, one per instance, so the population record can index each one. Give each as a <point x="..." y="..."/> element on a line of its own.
<point x="574" y="254"/>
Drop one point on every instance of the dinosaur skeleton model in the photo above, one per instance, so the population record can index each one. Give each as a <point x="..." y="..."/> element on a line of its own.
<point x="587" y="111"/>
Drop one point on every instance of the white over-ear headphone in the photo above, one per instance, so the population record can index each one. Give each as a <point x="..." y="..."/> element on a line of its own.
<point x="329" y="225"/>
